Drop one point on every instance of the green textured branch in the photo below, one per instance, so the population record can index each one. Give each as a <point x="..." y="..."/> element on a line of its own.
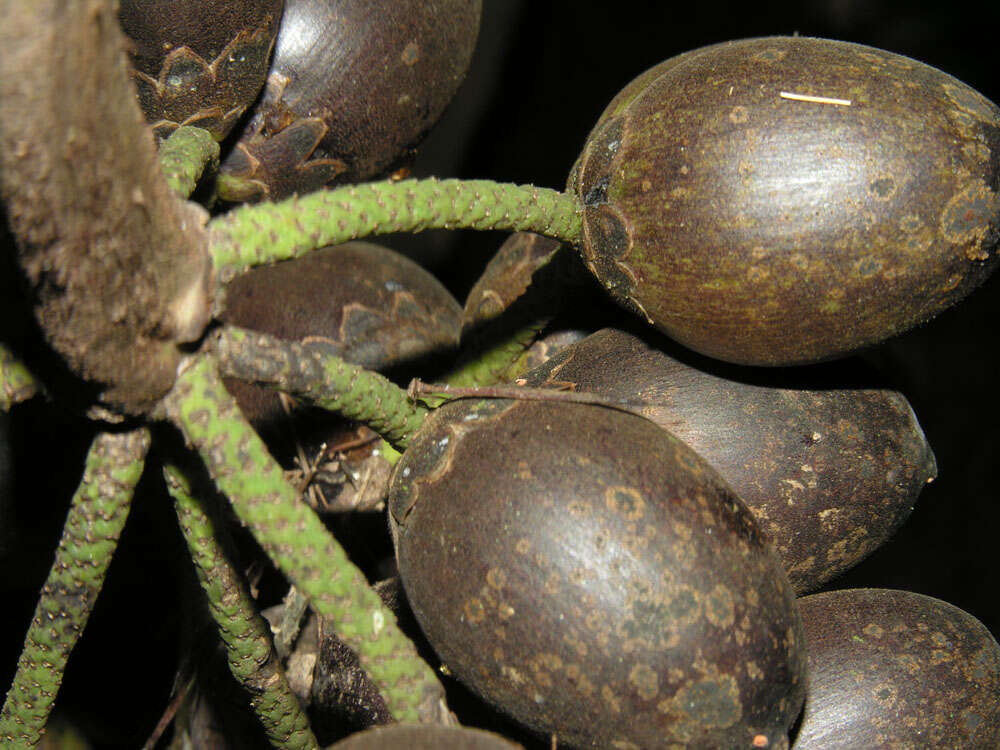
<point x="95" y="521"/>
<point x="313" y="372"/>
<point x="270" y="232"/>
<point x="489" y="364"/>
<point x="185" y="155"/>
<point x="16" y="381"/>
<point x="298" y="543"/>
<point x="243" y="631"/>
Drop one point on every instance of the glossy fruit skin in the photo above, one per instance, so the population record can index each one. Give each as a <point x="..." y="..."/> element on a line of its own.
<point x="592" y="577"/>
<point x="199" y="62"/>
<point x="424" y="737"/>
<point x="894" y="669"/>
<point x="762" y="229"/>
<point x="379" y="307"/>
<point x="829" y="461"/>
<point x="353" y="87"/>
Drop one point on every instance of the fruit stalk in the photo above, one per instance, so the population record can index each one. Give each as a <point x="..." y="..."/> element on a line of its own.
<point x="95" y="521"/>
<point x="296" y="540"/>
<point x="311" y="370"/>
<point x="243" y="631"/>
<point x="488" y="365"/>
<point x="270" y="232"/>
<point x="16" y="381"/>
<point x="185" y="155"/>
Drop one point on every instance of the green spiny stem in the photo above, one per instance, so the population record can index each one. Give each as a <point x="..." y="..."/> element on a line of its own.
<point x="243" y="631"/>
<point x="16" y="381"/>
<point x="96" y="517"/>
<point x="185" y="155"/>
<point x="297" y="541"/>
<point x="312" y="371"/>
<point x="489" y="365"/>
<point x="271" y="232"/>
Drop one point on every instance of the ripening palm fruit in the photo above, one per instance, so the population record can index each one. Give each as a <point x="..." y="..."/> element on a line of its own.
<point x="787" y="200"/>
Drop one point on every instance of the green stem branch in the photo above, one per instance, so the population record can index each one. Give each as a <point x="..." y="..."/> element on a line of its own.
<point x="312" y="371"/>
<point x="185" y="155"/>
<point x="96" y="517"/>
<point x="244" y="632"/>
<point x="270" y="232"/>
<point x="298" y="543"/>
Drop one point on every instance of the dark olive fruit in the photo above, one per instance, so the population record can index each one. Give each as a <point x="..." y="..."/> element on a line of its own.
<point x="199" y="62"/>
<point x="892" y="669"/>
<point x="788" y="200"/>
<point x="380" y="308"/>
<point x="592" y="577"/>
<point x="424" y="737"/>
<point x="830" y="471"/>
<point x="353" y="87"/>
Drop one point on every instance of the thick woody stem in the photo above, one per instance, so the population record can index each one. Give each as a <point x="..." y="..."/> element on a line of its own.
<point x="298" y="543"/>
<point x="271" y="232"/>
<point x="312" y="371"/>
<point x="16" y="381"/>
<point x="89" y="206"/>
<point x="94" y="523"/>
<point x="185" y="155"/>
<point x="244" y="632"/>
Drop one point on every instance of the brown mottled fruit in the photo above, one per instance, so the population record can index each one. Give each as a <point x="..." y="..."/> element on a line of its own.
<point x="381" y="309"/>
<point x="199" y="62"/>
<point x="354" y="86"/>
<point x="892" y="669"/>
<point x="788" y="200"/>
<point x="424" y="737"/>
<point x="829" y="462"/>
<point x="592" y="577"/>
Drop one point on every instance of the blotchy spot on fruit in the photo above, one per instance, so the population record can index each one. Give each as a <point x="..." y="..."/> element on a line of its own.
<point x="719" y="607"/>
<point x="626" y="501"/>
<point x="910" y="223"/>
<point x="645" y="681"/>
<point x="969" y="101"/>
<point x="966" y="219"/>
<point x="411" y="53"/>
<point x="496" y="578"/>
<point x="770" y="55"/>
<point x="739" y="115"/>
<point x="882" y="188"/>
<point x="713" y="703"/>
<point x="475" y="612"/>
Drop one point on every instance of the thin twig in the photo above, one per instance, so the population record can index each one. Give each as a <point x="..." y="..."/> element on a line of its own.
<point x="561" y="391"/>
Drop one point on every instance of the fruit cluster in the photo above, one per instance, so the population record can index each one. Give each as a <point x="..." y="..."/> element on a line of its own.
<point x="621" y="470"/>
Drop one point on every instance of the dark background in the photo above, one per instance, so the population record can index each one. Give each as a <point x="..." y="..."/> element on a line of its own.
<point x="542" y="74"/>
